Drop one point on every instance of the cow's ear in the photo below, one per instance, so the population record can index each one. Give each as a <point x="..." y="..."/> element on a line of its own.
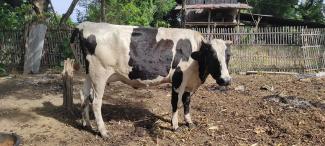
<point x="195" y="55"/>
<point x="228" y="43"/>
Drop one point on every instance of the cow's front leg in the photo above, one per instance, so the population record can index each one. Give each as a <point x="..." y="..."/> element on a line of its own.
<point x="177" y="93"/>
<point x="174" y="103"/>
<point x="186" y="103"/>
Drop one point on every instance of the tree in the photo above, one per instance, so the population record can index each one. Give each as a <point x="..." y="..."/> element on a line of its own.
<point x="35" y="36"/>
<point x="132" y="12"/>
<point x="312" y="10"/>
<point x="307" y="10"/>
<point x="66" y="15"/>
<point x="276" y="8"/>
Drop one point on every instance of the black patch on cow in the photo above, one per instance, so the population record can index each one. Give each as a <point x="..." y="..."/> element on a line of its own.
<point x="90" y="44"/>
<point x="208" y="62"/>
<point x="202" y="59"/>
<point x="186" y="98"/>
<point x="149" y="58"/>
<point x="174" y="100"/>
<point x="177" y="78"/>
<point x="183" y="51"/>
<point x="176" y="83"/>
<point x="84" y="50"/>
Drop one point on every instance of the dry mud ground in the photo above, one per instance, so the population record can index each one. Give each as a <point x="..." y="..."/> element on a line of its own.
<point x="255" y="109"/>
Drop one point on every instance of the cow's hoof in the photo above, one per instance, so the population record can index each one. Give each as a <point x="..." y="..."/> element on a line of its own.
<point x="190" y="125"/>
<point x="105" y="136"/>
<point x="176" y="129"/>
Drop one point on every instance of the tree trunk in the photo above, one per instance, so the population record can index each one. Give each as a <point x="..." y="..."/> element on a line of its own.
<point x="35" y="37"/>
<point x="68" y="13"/>
<point x="34" y="48"/>
<point x="102" y="11"/>
<point x="67" y="77"/>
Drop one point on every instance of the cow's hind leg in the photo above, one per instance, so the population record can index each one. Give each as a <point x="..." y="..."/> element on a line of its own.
<point x="186" y="103"/>
<point x="98" y="84"/>
<point x="85" y="102"/>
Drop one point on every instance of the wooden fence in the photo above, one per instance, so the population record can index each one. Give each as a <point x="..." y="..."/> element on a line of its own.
<point x="12" y="50"/>
<point x="285" y="49"/>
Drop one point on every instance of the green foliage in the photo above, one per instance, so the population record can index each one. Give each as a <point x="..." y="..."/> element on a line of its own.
<point x="308" y="10"/>
<point x="277" y="8"/>
<point x="131" y="12"/>
<point x="66" y="49"/>
<point x="14" y="18"/>
<point x="17" y="17"/>
<point x="3" y="71"/>
<point x="312" y="10"/>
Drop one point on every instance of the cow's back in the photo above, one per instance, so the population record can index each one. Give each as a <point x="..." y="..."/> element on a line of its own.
<point x="141" y="53"/>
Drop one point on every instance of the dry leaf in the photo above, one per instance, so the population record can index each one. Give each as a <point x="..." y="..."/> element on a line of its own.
<point x="213" y="128"/>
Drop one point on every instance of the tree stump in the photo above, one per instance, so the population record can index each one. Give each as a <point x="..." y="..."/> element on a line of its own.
<point x="67" y="77"/>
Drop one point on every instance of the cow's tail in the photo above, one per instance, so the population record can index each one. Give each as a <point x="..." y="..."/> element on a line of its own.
<point x="81" y="59"/>
<point x="73" y="45"/>
<point x="76" y="39"/>
<point x="75" y="33"/>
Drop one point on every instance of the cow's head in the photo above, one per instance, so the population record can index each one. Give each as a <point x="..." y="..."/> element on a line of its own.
<point x="213" y="58"/>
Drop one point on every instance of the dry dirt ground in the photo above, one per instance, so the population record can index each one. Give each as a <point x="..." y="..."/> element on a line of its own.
<point x="254" y="110"/>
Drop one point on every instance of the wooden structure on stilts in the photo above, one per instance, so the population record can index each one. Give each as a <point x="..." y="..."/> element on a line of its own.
<point x="211" y="13"/>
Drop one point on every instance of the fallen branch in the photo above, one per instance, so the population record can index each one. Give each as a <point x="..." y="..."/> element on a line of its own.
<point x="269" y="72"/>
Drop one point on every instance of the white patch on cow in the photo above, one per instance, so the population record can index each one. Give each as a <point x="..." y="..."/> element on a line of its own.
<point x="220" y="47"/>
<point x="113" y="42"/>
<point x="187" y="118"/>
<point x="191" y="77"/>
<point x="175" y="120"/>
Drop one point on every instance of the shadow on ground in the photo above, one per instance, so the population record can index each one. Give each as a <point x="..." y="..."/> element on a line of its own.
<point x="14" y="114"/>
<point x="141" y="117"/>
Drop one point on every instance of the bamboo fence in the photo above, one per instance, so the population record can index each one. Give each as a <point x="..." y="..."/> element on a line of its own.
<point x="278" y="49"/>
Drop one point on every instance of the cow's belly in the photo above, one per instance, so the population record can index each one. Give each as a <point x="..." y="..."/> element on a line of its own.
<point x="138" y="83"/>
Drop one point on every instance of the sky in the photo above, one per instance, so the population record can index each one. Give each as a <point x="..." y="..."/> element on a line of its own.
<point x="61" y="6"/>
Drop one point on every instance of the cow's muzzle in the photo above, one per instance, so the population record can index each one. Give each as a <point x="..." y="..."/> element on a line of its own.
<point x="224" y="81"/>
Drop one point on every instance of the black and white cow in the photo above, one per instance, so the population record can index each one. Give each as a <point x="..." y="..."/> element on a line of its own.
<point x="142" y="57"/>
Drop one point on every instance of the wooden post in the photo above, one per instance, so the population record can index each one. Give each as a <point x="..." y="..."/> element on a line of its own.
<point x="183" y="13"/>
<point x="209" y="21"/>
<point x="67" y="77"/>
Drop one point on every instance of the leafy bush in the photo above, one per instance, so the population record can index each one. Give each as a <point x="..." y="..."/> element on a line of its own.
<point x="14" y="18"/>
<point x="3" y="71"/>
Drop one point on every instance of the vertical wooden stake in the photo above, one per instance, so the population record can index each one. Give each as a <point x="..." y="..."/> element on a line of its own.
<point x="183" y="23"/>
<point x="209" y="27"/>
<point x="67" y="77"/>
